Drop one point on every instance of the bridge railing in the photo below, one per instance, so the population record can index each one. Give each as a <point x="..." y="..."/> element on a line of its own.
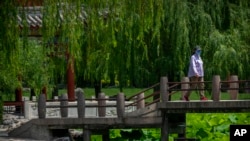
<point x="162" y="92"/>
<point x="81" y="105"/>
<point x="167" y="89"/>
<point x="140" y="100"/>
<point x="216" y="87"/>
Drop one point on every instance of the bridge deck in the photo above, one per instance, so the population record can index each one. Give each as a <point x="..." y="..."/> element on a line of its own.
<point x="99" y="123"/>
<point x="225" y="106"/>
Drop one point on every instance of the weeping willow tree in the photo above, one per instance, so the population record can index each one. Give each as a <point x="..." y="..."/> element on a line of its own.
<point x="136" y="42"/>
<point x="9" y="37"/>
<point x="148" y="39"/>
<point x="227" y="45"/>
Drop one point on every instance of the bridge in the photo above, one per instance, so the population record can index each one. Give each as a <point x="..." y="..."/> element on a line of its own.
<point x="160" y="112"/>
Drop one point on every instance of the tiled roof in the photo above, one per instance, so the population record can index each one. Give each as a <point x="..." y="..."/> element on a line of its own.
<point x="33" y="16"/>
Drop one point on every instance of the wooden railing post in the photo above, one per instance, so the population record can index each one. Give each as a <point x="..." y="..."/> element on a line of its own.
<point x="164" y="89"/>
<point x="63" y="103"/>
<point x="80" y="103"/>
<point x="120" y="105"/>
<point x="184" y="86"/>
<point x="101" y="105"/>
<point x="216" y="88"/>
<point x="235" y="86"/>
<point x="141" y="101"/>
<point x="41" y="106"/>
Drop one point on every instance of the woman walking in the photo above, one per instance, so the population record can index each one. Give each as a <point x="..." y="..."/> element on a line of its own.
<point x="196" y="74"/>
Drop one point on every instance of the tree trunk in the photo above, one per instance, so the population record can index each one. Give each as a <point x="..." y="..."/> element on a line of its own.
<point x="98" y="87"/>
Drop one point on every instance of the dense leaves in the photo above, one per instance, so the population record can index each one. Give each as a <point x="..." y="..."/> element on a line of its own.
<point x="213" y="126"/>
<point x="134" y="42"/>
<point x="206" y="127"/>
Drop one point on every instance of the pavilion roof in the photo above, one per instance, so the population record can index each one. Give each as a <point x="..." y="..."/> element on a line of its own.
<point x="33" y="17"/>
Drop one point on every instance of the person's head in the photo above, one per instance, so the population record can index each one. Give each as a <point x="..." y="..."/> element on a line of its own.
<point x="197" y="50"/>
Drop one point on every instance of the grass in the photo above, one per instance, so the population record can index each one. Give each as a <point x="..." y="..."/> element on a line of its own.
<point x="90" y="92"/>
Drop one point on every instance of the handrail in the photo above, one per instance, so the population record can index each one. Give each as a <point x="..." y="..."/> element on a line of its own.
<point x="189" y="82"/>
<point x="154" y="101"/>
<point x="238" y="81"/>
<point x="151" y="95"/>
<point x="173" y="92"/>
<point x="143" y="91"/>
<point x="14" y="103"/>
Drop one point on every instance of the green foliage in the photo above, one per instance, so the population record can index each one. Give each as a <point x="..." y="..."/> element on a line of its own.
<point x="206" y="127"/>
<point x="213" y="126"/>
<point x="34" y="66"/>
<point x="120" y="37"/>
<point x="9" y="31"/>
<point x="136" y="41"/>
<point x="149" y="134"/>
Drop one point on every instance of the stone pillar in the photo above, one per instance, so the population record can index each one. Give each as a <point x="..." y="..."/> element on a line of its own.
<point x="41" y="106"/>
<point x="235" y="86"/>
<point x="63" y="103"/>
<point x="164" y="89"/>
<point x="101" y="105"/>
<point x="120" y="105"/>
<point x="216" y="88"/>
<point x="141" y="101"/>
<point x="26" y="109"/>
<point x="184" y="86"/>
<point x="80" y="104"/>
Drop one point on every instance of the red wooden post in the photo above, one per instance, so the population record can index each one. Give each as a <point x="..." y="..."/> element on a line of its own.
<point x="18" y="90"/>
<point x="30" y="2"/>
<point x="70" y="79"/>
<point x="44" y="91"/>
<point x="18" y="93"/>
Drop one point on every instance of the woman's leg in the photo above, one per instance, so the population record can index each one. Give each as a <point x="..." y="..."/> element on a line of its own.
<point x="192" y="85"/>
<point x="201" y="86"/>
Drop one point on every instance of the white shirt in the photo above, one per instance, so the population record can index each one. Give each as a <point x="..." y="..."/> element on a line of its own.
<point x="195" y="66"/>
